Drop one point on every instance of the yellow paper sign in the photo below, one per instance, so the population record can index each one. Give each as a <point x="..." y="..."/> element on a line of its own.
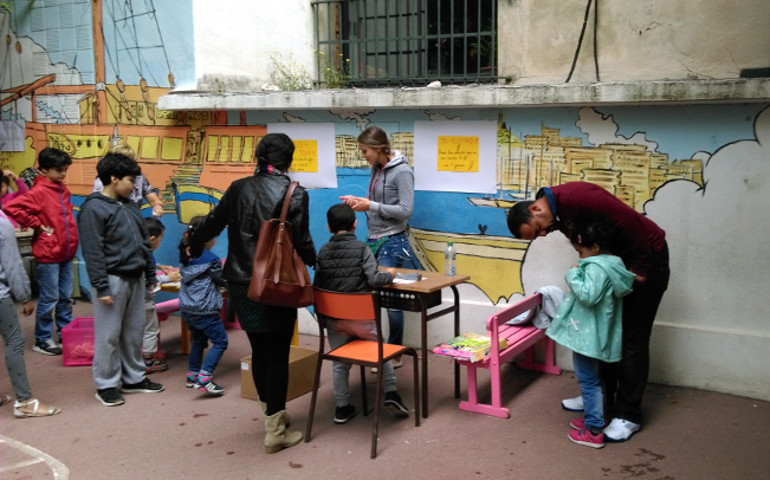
<point x="458" y="154"/>
<point x="305" y="156"/>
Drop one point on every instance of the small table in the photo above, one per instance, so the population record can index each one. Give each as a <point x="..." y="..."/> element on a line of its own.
<point x="419" y="297"/>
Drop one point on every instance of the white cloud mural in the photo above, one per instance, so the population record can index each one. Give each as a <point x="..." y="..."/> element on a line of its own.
<point x="603" y="129"/>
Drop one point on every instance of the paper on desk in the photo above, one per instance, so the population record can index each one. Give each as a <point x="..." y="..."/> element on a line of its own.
<point x="403" y="278"/>
<point x="171" y="285"/>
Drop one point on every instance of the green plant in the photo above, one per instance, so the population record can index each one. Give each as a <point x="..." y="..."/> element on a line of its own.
<point x="7" y="7"/>
<point x="483" y="49"/>
<point x="334" y="76"/>
<point x="289" y="76"/>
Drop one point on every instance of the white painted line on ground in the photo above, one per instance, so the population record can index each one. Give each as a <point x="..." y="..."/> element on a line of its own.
<point x="60" y="471"/>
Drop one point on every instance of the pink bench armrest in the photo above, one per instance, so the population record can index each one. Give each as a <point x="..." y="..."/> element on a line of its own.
<point x="168" y="306"/>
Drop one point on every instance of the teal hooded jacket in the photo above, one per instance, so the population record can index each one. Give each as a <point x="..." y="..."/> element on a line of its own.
<point x="589" y="321"/>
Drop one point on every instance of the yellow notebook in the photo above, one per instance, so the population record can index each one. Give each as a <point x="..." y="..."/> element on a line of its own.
<point x="470" y="346"/>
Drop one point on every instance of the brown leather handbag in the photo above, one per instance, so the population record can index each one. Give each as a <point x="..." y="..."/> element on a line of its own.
<point x="279" y="276"/>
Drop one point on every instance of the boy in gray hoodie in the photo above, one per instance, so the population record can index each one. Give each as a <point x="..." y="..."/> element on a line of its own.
<point x="118" y="255"/>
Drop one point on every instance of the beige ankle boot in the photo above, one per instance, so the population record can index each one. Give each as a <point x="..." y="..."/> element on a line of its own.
<point x="286" y="414"/>
<point x="277" y="437"/>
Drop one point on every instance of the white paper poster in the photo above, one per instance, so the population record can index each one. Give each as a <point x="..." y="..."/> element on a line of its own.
<point x="314" y="164"/>
<point x="455" y="156"/>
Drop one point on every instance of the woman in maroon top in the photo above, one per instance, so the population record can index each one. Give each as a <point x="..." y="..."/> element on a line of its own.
<point x="642" y="246"/>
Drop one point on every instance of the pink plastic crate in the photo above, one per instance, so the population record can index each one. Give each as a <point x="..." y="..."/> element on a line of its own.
<point x="78" y="342"/>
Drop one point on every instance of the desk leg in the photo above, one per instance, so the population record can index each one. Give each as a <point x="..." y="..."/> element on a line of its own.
<point x="424" y="348"/>
<point x="457" y="333"/>
<point x="185" y="337"/>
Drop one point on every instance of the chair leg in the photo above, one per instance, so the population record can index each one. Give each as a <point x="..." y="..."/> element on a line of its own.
<point x="313" y="398"/>
<point x="378" y="401"/>
<point x="364" y="396"/>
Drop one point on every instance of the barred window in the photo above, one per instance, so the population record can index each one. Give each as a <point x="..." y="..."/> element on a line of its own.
<point x="375" y="43"/>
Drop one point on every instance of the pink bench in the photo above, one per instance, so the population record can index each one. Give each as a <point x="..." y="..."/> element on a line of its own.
<point x="521" y="339"/>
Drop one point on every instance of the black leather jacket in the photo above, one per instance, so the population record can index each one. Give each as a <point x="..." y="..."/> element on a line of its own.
<point x="246" y="203"/>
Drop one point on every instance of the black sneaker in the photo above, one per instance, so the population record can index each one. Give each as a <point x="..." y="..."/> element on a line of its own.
<point x="396" y="406"/>
<point x="110" y="397"/>
<point x="344" y="414"/>
<point x="145" y="386"/>
<point x="48" y="347"/>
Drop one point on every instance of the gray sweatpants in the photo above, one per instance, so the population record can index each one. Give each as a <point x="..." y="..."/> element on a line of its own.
<point x="151" y="327"/>
<point x="340" y="332"/>
<point x="118" y="332"/>
<point x="14" y="349"/>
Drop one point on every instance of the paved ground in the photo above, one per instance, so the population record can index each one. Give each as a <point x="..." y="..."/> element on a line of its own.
<point x="179" y="433"/>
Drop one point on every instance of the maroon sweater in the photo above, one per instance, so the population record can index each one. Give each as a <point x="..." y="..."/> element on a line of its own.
<point x="637" y="237"/>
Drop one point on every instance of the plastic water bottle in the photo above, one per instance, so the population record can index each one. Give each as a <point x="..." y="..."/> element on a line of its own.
<point x="449" y="259"/>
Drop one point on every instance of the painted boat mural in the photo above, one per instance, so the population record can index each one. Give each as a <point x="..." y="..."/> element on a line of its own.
<point x="493" y="262"/>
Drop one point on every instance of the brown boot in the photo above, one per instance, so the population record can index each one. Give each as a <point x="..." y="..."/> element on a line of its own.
<point x="286" y="414"/>
<point x="277" y="437"/>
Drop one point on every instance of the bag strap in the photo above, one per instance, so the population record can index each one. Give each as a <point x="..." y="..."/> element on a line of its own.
<point x="287" y="199"/>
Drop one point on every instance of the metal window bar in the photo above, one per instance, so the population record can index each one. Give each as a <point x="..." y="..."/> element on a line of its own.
<point x="375" y="43"/>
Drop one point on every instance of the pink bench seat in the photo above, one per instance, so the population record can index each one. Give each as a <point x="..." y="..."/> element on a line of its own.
<point x="521" y="340"/>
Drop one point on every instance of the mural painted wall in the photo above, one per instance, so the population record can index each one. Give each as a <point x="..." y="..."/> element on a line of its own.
<point x="700" y="171"/>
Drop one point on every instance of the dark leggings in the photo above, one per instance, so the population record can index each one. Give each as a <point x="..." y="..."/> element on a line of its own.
<point x="270" y="367"/>
<point x="625" y="382"/>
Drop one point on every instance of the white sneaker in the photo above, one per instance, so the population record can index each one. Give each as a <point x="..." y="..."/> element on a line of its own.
<point x="620" y="430"/>
<point x="573" y="404"/>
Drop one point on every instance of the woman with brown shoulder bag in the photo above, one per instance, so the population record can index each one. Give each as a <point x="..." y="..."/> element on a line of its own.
<point x="242" y="209"/>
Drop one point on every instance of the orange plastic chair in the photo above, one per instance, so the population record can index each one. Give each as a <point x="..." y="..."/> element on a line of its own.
<point x="360" y="307"/>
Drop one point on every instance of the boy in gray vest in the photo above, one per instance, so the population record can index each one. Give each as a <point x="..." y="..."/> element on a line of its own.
<point x="345" y="264"/>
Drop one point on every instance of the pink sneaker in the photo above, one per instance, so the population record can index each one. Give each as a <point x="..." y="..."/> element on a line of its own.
<point x="585" y="437"/>
<point x="578" y="423"/>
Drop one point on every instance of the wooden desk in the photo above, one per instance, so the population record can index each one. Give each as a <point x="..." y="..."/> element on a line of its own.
<point x="421" y="296"/>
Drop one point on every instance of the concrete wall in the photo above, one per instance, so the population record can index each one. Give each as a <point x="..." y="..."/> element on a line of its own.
<point x="651" y="40"/>
<point x="234" y="40"/>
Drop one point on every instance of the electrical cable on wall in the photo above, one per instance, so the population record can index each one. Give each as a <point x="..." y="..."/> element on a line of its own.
<point x="580" y="41"/>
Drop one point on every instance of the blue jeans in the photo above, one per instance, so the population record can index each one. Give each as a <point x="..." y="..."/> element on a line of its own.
<point x="587" y="371"/>
<point x="55" y="282"/>
<point x="203" y="329"/>
<point x="396" y="252"/>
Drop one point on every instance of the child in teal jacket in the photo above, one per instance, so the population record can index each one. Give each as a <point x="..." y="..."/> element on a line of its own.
<point x="589" y="322"/>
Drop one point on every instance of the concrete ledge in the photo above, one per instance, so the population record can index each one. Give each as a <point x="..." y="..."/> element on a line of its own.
<point x="741" y="90"/>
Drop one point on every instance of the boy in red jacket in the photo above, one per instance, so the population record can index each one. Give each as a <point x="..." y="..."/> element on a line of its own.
<point x="46" y="208"/>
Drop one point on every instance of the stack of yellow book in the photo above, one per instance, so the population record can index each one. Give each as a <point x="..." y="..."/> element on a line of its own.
<point x="469" y="346"/>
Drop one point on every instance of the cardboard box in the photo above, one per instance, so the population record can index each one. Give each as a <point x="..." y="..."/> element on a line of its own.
<point x="302" y="363"/>
<point x="77" y="340"/>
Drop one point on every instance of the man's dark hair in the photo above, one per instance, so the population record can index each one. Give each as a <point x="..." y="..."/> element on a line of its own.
<point x="116" y="165"/>
<point x="340" y="217"/>
<point x="275" y="149"/>
<point x="52" y="158"/>
<point x="518" y="215"/>
<point x="154" y="226"/>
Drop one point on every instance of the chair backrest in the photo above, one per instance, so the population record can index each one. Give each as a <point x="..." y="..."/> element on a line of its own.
<point x="359" y="306"/>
